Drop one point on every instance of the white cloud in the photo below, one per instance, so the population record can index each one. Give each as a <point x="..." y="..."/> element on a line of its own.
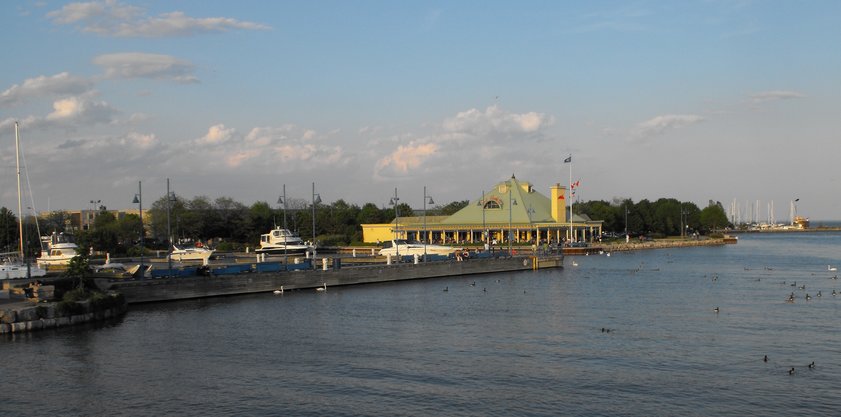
<point x="217" y="134"/>
<point x="280" y="149"/>
<point x="495" y="120"/>
<point x="111" y="18"/>
<point x="71" y="113"/>
<point x="660" y="124"/>
<point x="55" y="85"/>
<point x="143" y="65"/>
<point x="75" y="110"/>
<point x="405" y="158"/>
<point x="766" y="96"/>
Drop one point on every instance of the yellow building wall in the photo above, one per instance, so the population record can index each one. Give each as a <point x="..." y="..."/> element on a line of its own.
<point x="371" y="233"/>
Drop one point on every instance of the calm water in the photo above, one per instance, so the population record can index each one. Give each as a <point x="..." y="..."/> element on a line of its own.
<point x="514" y="344"/>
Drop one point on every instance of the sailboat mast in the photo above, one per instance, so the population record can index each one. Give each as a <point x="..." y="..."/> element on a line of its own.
<point x="20" y="206"/>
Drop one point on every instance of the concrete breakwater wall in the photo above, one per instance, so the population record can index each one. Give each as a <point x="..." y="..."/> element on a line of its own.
<point x="178" y="288"/>
<point x="660" y="244"/>
<point x="24" y="317"/>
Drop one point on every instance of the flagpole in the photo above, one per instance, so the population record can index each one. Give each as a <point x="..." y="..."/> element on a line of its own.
<point x="569" y="191"/>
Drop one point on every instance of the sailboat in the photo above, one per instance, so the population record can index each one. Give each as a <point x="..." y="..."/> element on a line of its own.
<point x="11" y="267"/>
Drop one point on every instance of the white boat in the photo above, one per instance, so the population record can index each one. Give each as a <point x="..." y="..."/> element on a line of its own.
<point x="57" y="250"/>
<point x="11" y="268"/>
<point x="16" y="267"/>
<point x="193" y="253"/>
<point x="404" y="247"/>
<point x="280" y="240"/>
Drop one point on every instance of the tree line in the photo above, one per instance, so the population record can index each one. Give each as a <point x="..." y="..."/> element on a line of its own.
<point x="663" y="217"/>
<point x="230" y="225"/>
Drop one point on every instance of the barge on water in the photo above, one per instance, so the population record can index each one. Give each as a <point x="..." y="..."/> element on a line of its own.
<point x="270" y="276"/>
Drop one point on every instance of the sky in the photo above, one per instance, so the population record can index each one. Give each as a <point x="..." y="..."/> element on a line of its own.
<point x="694" y="100"/>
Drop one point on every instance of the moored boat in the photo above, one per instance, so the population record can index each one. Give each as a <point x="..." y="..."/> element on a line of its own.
<point x="404" y="247"/>
<point x="57" y="250"/>
<point x="282" y="241"/>
<point x="193" y="253"/>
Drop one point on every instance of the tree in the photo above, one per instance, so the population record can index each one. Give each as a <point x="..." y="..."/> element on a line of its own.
<point x="713" y="217"/>
<point x="452" y="208"/>
<point x="8" y="230"/>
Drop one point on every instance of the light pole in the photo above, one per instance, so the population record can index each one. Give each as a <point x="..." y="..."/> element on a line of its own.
<point x="393" y="202"/>
<point x="316" y="198"/>
<point x="511" y="204"/>
<point x="169" y="200"/>
<point x="626" y="223"/>
<point x="138" y="199"/>
<point x="530" y="211"/>
<point x="94" y="203"/>
<point x="484" y="227"/>
<point x="426" y="198"/>
<point x="282" y="200"/>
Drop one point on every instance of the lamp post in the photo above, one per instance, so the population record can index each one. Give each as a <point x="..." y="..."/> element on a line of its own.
<point x="92" y="217"/>
<point x="426" y="198"/>
<point x="138" y="199"/>
<point x="393" y="202"/>
<point x="282" y="200"/>
<point x="169" y="200"/>
<point x="536" y="238"/>
<point x="316" y="198"/>
<point x="626" y="223"/>
<point x="511" y="204"/>
<point x="484" y="227"/>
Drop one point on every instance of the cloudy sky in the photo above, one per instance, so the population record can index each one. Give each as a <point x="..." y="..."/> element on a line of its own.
<point x="695" y="100"/>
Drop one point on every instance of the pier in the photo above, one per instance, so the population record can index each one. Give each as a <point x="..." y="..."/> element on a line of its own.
<point x="252" y="280"/>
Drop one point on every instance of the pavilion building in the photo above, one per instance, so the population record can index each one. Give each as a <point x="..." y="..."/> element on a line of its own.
<point x="511" y="206"/>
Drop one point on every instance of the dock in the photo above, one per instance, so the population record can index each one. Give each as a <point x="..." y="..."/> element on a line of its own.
<point x="251" y="280"/>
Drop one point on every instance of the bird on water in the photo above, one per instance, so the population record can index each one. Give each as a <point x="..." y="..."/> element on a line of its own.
<point x="323" y="287"/>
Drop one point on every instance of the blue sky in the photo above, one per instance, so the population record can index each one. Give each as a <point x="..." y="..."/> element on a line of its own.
<point x="695" y="100"/>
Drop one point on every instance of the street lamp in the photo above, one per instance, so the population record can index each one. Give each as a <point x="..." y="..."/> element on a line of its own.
<point x="484" y="228"/>
<point x="626" y="223"/>
<point x="316" y="198"/>
<point x="530" y="211"/>
<point x="426" y="199"/>
<point x="169" y="199"/>
<point x="138" y="199"/>
<point x="282" y="200"/>
<point x="393" y="202"/>
<point x="511" y="204"/>
<point x="91" y="218"/>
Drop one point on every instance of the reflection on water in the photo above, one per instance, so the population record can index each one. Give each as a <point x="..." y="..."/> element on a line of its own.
<point x="634" y="333"/>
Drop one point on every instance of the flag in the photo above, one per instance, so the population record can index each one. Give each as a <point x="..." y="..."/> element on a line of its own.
<point x="568" y="160"/>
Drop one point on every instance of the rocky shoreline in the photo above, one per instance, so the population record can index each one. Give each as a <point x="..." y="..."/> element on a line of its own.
<point x="25" y="316"/>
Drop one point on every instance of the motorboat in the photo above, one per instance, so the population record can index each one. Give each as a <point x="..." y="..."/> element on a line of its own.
<point x="282" y="241"/>
<point x="57" y="250"/>
<point x="192" y="253"/>
<point x="405" y="247"/>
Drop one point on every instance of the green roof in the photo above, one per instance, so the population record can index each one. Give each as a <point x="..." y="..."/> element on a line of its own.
<point x="527" y="206"/>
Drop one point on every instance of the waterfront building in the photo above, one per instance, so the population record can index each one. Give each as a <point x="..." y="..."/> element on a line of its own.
<point x="511" y="205"/>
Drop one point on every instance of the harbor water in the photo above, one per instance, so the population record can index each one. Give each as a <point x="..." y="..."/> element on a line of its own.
<point x="634" y="333"/>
